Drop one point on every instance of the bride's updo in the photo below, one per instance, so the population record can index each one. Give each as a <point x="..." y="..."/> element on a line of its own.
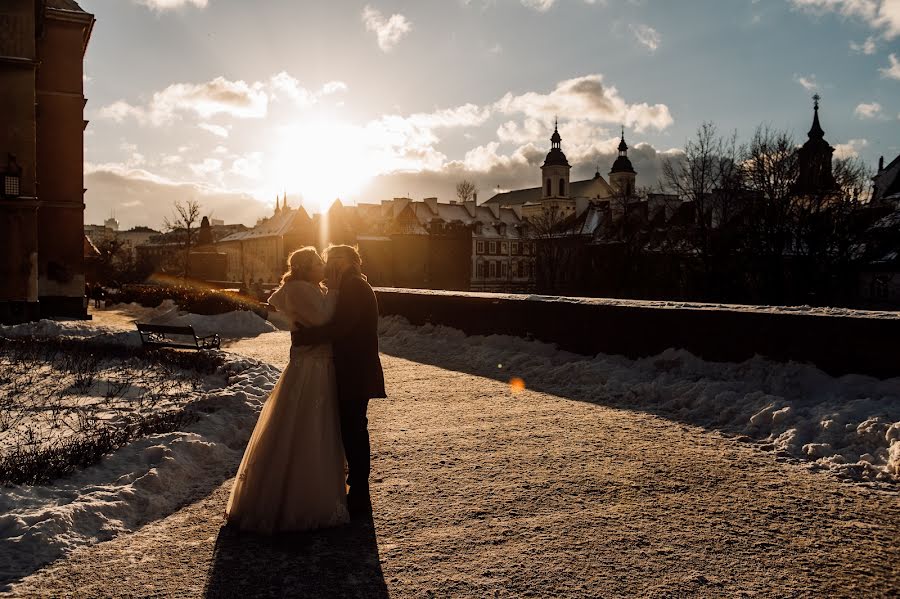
<point x="300" y="263"/>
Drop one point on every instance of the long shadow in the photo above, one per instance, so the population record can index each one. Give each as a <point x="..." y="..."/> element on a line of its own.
<point x="335" y="562"/>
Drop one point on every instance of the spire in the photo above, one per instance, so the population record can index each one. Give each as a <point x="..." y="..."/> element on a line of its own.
<point x="623" y="147"/>
<point x="277" y="207"/>
<point x="555" y="139"/>
<point x="284" y="204"/>
<point x="816" y="132"/>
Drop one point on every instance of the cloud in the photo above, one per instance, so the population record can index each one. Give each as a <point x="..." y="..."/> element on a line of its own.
<point x="586" y="99"/>
<point x="646" y="35"/>
<point x="867" y="47"/>
<point x="161" y="5"/>
<point x="249" y="166"/>
<point x="218" y="96"/>
<point x="209" y="166"/>
<point x="881" y="15"/>
<point x="850" y="149"/>
<point x="867" y="111"/>
<point x="388" y="31"/>
<point x="809" y="83"/>
<point x="217" y="130"/>
<point x="539" y="5"/>
<point x="286" y="85"/>
<point x="893" y="71"/>
<point x="139" y="197"/>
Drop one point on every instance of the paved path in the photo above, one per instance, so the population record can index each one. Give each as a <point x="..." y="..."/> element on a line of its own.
<point x="482" y="493"/>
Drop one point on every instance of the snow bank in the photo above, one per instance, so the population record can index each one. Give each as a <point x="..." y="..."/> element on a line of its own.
<point x="849" y="425"/>
<point x="666" y="304"/>
<point x="72" y="328"/>
<point x="240" y="323"/>
<point x="143" y="481"/>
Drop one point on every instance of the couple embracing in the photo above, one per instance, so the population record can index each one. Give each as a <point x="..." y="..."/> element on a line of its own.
<point x="292" y="475"/>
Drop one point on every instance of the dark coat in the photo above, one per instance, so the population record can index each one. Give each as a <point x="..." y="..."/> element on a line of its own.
<point x="353" y="333"/>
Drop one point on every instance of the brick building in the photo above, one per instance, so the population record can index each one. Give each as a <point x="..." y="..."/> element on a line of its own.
<point x="42" y="45"/>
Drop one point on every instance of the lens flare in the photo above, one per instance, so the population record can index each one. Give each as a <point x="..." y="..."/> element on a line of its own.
<point x="516" y="385"/>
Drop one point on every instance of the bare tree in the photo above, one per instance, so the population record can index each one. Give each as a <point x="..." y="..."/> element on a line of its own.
<point x="185" y="221"/>
<point x="709" y="175"/>
<point x="465" y="190"/>
<point x="551" y="230"/>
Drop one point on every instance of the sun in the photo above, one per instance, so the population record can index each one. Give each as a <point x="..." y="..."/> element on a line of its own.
<point x="322" y="159"/>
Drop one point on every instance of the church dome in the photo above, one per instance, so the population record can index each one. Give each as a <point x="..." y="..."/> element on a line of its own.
<point x="555" y="156"/>
<point x="622" y="165"/>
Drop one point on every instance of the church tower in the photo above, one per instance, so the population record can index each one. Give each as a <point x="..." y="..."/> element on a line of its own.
<point x="555" y="170"/>
<point x="622" y="176"/>
<point x="814" y="160"/>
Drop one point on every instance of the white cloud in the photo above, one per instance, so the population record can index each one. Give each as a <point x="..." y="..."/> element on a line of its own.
<point x="217" y="130"/>
<point x="808" y="82"/>
<point x="249" y="166"/>
<point x="893" y="71"/>
<point x="161" y="5"/>
<point x="218" y="96"/>
<point x="881" y="15"/>
<point x="539" y="5"/>
<point x="867" y="111"/>
<point x="388" y="31"/>
<point x="586" y="99"/>
<point x="208" y="167"/>
<point x="646" y="35"/>
<point x="850" y="149"/>
<point x="867" y="47"/>
<point x="289" y="86"/>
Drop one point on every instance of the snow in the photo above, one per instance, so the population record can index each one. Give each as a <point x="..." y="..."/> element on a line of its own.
<point x="665" y="304"/>
<point x="143" y="481"/>
<point x="848" y="425"/>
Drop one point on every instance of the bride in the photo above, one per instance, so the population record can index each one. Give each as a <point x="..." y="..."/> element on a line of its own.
<point x="292" y="475"/>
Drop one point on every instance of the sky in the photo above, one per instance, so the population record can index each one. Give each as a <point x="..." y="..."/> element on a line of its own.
<point x="232" y="102"/>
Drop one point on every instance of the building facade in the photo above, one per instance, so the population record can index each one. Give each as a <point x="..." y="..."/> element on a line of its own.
<point x="42" y="45"/>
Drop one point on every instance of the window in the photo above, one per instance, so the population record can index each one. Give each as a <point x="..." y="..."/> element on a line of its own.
<point x="479" y="270"/>
<point x="479" y="247"/>
<point x="562" y="187"/>
<point x="492" y="270"/>
<point x="515" y="269"/>
<point x="504" y="248"/>
<point x="515" y="248"/>
<point x="503" y="270"/>
<point x="526" y="270"/>
<point x="525" y="248"/>
<point x="549" y="192"/>
<point x="492" y="247"/>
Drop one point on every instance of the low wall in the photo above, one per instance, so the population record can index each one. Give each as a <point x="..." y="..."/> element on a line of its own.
<point x="837" y="341"/>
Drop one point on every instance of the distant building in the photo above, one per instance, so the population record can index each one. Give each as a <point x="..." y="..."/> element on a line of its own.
<point x="560" y="196"/>
<point x="130" y="239"/>
<point x="815" y="176"/>
<point x="886" y="182"/>
<point x="456" y="245"/>
<point x="42" y="45"/>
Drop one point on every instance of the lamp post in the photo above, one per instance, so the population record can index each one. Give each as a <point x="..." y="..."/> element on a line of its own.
<point x="12" y="179"/>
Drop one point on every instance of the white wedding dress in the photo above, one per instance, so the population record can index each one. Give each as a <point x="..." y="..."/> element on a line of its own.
<point x="292" y="475"/>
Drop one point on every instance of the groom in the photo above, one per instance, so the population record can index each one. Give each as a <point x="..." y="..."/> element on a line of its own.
<point x="353" y="333"/>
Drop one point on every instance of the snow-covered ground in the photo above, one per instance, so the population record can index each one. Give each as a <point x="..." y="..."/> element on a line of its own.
<point x="849" y="425"/>
<point x="143" y="481"/>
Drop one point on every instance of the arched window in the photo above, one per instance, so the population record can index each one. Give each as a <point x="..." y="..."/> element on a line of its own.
<point x="549" y="192"/>
<point x="562" y="187"/>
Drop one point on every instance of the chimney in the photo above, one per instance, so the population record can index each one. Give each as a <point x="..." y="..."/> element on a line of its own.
<point x="495" y="210"/>
<point x="475" y="197"/>
<point x="470" y="207"/>
<point x="880" y="164"/>
<point x="432" y="204"/>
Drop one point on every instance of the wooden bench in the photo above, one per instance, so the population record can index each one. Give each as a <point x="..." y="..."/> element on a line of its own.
<point x="161" y="335"/>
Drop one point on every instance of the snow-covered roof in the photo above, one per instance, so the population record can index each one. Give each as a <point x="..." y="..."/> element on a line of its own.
<point x="589" y="188"/>
<point x="274" y="226"/>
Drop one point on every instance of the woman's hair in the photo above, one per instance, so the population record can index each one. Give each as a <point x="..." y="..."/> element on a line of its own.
<point x="347" y="252"/>
<point x="299" y="263"/>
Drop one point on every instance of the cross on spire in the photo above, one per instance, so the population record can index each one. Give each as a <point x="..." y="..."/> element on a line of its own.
<point x="816" y="99"/>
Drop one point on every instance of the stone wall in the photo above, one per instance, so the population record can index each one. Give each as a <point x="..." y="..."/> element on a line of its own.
<point x="851" y="342"/>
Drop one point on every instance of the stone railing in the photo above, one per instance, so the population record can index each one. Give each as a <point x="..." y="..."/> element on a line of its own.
<point x="836" y="340"/>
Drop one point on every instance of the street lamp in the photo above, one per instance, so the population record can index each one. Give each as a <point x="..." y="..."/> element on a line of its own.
<point x="12" y="178"/>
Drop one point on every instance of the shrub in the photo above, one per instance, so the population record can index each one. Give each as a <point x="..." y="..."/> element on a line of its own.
<point x="190" y="299"/>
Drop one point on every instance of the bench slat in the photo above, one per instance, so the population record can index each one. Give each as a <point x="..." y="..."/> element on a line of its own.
<point x="165" y="328"/>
